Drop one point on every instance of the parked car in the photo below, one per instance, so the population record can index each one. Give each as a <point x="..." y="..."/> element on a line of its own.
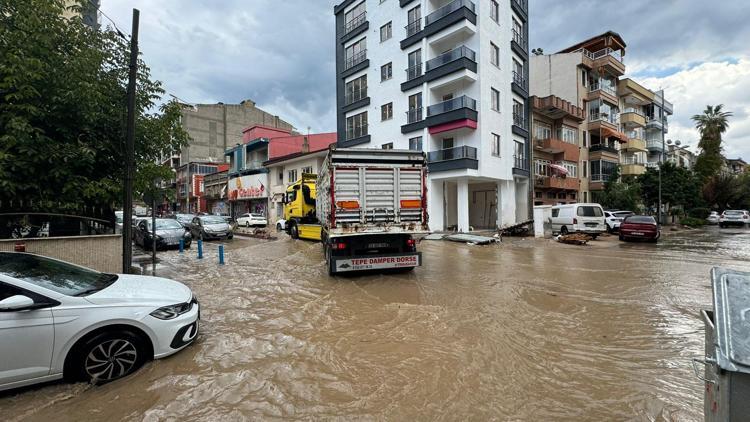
<point x="642" y="227"/>
<point x="168" y="234"/>
<point x="250" y="219"/>
<point x="713" y="218"/>
<point x="61" y="320"/>
<point x="184" y="219"/>
<point x="734" y="218"/>
<point x="210" y="227"/>
<point x="613" y="219"/>
<point x="280" y="225"/>
<point x="578" y="218"/>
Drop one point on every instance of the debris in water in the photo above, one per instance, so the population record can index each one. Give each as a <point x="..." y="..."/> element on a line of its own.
<point x="574" y="239"/>
<point x="470" y="238"/>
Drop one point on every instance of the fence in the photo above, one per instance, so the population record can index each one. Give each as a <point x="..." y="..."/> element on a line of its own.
<point x="102" y="252"/>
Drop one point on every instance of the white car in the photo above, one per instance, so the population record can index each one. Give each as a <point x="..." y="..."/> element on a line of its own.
<point x="61" y="320"/>
<point x="280" y="225"/>
<point x="713" y="218"/>
<point x="613" y="219"/>
<point x="734" y="218"/>
<point x="248" y="220"/>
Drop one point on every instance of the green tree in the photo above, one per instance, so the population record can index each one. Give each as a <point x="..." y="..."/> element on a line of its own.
<point x="680" y="187"/>
<point x="620" y="194"/>
<point x="63" y="92"/>
<point x="711" y="125"/>
<point x="724" y="191"/>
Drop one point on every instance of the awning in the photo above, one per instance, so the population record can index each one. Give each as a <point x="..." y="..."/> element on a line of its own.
<point x="609" y="133"/>
<point x="558" y="168"/>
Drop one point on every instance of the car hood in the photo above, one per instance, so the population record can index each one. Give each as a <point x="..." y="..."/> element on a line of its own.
<point x="170" y="232"/>
<point x="217" y="227"/>
<point x="142" y="290"/>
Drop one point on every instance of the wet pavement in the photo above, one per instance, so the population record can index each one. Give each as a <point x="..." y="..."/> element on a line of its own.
<point x="523" y="330"/>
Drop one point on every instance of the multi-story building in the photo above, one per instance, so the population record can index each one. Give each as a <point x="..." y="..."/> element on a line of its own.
<point x="215" y="192"/>
<point x="555" y="138"/>
<point x="190" y="187"/>
<point x="657" y="126"/>
<point x="680" y="156"/>
<point x="448" y="78"/>
<point x="88" y="10"/>
<point x="736" y="166"/>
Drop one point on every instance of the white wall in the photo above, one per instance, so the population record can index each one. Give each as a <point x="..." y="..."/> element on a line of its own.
<point x="555" y="74"/>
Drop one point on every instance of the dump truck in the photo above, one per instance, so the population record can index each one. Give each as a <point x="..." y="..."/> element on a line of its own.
<point x="368" y="207"/>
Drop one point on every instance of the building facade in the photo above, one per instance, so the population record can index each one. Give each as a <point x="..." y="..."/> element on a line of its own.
<point x="448" y="78"/>
<point x="190" y="186"/>
<point x="215" y="192"/>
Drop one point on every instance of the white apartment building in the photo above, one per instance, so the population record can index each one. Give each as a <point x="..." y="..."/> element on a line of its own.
<point x="448" y="77"/>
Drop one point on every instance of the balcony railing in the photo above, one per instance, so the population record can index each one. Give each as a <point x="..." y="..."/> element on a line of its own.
<point x="352" y="97"/>
<point x="602" y="87"/>
<point x="520" y="162"/>
<point x="600" y="177"/>
<point x="355" y="59"/>
<point x="448" y="9"/>
<point x="456" y="153"/>
<point x="356" y="132"/>
<point x="633" y="110"/>
<point x="636" y="134"/>
<point x="413" y="27"/>
<point x="520" y="79"/>
<point x="602" y="53"/>
<point x="523" y="4"/>
<point x="453" y="104"/>
<point x="413" y="72"/>
<point x="451" y="56"/>
<point x="519" y="39"/>
<point x="631" y="160"/>
<point x="602" y="147"/>
<point x="605" y="117"/>
<point x="355" y="22"/>
<point x="655" y="144"/>
<point x="520" y="121"/>
<point x="414" y="115"/>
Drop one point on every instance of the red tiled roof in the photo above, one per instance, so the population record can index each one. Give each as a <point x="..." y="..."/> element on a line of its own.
<point x="282" y="146"/>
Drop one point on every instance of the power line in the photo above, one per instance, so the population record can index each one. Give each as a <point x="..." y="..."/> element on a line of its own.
<point x="124" y="35"/>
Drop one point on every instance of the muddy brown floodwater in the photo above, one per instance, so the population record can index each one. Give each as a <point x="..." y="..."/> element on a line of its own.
<point x="525" y="330"/>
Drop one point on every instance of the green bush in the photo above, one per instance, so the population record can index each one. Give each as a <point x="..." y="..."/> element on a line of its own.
<point x="692" y="222"/>
<point x="701" y="213"/>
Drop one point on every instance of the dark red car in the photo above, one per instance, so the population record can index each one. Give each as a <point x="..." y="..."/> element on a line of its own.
<point x="639" y="227"/>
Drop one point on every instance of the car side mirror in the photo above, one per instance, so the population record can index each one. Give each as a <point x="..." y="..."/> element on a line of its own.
<point x="16" y="303"/>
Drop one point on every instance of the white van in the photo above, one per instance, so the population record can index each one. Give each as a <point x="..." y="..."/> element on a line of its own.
<point x="578" y="218"/>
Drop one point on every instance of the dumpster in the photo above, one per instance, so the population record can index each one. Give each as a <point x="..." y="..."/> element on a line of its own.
<point x="726" y="372"/>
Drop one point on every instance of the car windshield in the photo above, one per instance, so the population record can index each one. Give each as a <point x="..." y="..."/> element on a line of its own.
<point x="212" y="219"/>
<point x="640" y="219"/>
<point x="184" y="218"/>
<point x="165" y="224"/>
<point x="54" y="275"/>
<point x="733" y="212"/>
<point x="257" y="216"/>
<point x="623" y="213"/>
<point x="587" y="211"/>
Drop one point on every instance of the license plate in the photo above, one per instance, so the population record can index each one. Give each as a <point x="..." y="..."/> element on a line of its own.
<point x="591" y="224"/>
<point x="172" y="242"/>
<point x="378" y="262"/>
<point x="637" y="233"/>
<point x="378" y="245"/>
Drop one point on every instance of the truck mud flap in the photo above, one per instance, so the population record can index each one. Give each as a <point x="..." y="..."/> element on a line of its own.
<point x="377" y="262"/>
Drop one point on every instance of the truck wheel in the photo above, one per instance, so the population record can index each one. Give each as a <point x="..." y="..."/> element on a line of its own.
<point x="329" y="263"/>
<point x="294" y="231"/>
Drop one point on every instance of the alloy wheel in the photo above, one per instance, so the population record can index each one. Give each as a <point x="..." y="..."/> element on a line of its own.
<point x="111" y="359"/>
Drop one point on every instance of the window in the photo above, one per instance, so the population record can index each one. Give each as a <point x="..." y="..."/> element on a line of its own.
<point x="7" y="291"/>
<point x="494" y="11"/>
<point x="414" y="17"/>
<point x="281" y="178"/>
<point x="356" y="126"/>
<point x="386" y="32"/>
<point x="571" y="167"/>
<point x="389" y="145"/>
<point x="386" y="111"/>
<point x="519" y="118"/>
<point x="58" y="276"/>
<point x="386" y="72"/>
<point x="585" y="197"/>
<point x="541" y="167"/>
<point x="356" y="90"/>
<point x="495" y="144"/>
<point x="415" y="65"/>
<point x="555" y="212"/>
<point x="568" y="134"/>
<point x="585" y="139"/>
<point x="585" y="168"/>
<point x="292" y="174"/>
<point x="519" y="150"/>
<point x="584" y="77"/>
<point x="601" y="170"/>
<point x="354" y="17"/>
<point x="542" y="131"/>
<point x="447" y="143"/>
<point x="538" y="195"/>
<point x="494" y="54"/>
<point x="495" y="99"/>
<point x="589" y="211"/>
<point x="415" y="144"/>
<point x="307" y="170"/>
<point x="415" y="108"/>
<point x="355" y="53"/>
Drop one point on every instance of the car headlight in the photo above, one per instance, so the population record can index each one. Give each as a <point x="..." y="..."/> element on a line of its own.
<point x="172" y="311"/>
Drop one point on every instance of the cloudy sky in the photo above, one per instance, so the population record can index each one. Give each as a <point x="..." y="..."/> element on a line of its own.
<point x="280" y="54"/>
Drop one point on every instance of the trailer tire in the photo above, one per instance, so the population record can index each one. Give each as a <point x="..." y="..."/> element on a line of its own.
<point x="294" y="231"/>
<point x="329" y="262"/>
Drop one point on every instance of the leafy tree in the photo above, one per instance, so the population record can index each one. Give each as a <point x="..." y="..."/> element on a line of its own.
<point x="711" y="125"/>
<point x="63" y="92"/>
<point x="620" y="194"/>
<point x="723" y="191"/>
<point x="680" y="187"/>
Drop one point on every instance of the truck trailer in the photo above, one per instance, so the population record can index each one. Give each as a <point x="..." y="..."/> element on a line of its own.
<point x="368" y="207"/>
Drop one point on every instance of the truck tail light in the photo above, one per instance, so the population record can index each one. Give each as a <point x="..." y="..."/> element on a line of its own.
<point x="348" y="205"/>
<point x="338" y="246"/>
<point x="411" y="243"/>
<point x="411" y="203"/>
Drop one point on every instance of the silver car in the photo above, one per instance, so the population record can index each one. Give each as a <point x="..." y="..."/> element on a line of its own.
<point x="210" y="227"/>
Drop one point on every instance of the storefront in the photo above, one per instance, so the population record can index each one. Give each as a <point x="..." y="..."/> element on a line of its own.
<point x="249" y="194"/>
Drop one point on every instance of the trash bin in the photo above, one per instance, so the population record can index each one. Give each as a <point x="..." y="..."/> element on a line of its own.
<point x="726" y="374"/>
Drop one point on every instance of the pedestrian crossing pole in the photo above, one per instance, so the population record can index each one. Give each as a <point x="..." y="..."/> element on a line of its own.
<point x="127" y="206"/>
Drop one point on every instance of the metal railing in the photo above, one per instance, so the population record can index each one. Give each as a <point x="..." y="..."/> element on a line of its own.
<point x="601" y="87"/>
<point x="519" y="79"/>
<point x="519" y="39"/>
<point x="355" y="22"/>
<point x="655" y="144"/>
<point x="355" y="59"/>
<point x="520" y="162"/>
<point x="453" y="104"/>
<point x="636" y="134"/>
<point x="413" y="72"/>
<point x="602" y="147"/>
<point x="601" y="53"/>
<point x="456" y="153"/>
<point x="413" y="27"/>
<point x="451" y="56"/>
<point x="606" y="117"/>
<point x="632" y="160"/>
<point x="414" y="115"/>
<point x="355" y="96"/>
<point x="601" y="177"/>
<point x="633" y="110"/>
<point x="448" y="9"/>
<point x="356" y="132"/>
<point x="520" y="121"/>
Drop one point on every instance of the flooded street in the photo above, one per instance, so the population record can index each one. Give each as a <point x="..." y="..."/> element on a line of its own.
<point x="524" y="330"/>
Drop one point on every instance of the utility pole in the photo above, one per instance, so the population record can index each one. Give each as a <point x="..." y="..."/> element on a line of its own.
<point x="661" y="156"/>
<point x="127" y="215"/>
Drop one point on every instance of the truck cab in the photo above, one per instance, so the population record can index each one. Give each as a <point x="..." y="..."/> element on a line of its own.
<point x="299" y="208"/>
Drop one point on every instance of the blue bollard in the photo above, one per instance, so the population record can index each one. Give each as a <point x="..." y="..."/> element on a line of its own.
<point x="200" y="249"/>
<point x="221" y="254"/>
<point x="182" y="245"/>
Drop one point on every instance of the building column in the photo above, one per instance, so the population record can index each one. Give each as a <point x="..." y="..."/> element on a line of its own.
<point x="506" y="203"/>
<point x="436" y="205"/>
<point x="462" y="205"/>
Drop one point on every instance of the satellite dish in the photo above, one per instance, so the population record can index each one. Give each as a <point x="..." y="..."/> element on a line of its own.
<point x="677" y="142"/>
<point x="669" y="141"/>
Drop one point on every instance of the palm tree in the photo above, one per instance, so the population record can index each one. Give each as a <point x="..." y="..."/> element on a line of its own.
<point x="711" y="125"/>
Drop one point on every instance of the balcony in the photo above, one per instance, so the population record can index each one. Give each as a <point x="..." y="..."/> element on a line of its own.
<point x="413" y="72"/>
<point x="554" y="146"/>
<point x="520" y="121"/>
<point x="447" y="10"/>
<point x="598" y="120"/>
<point x="520" y="83"/>
<point x="442" y="18"/>
<point x="604" y="148"/>
<point x="556" y="108"/>
<point x="632" y="117"/>
<point x="606" y="58"/>
<point x="655" y="145"/>
<point x="548" y="182"/>
<point x="519" y="44"/>
<point x="520" y="165"/>
<point x="451" y="56"/>
<point x="414" y="115"/>
<point x="632" y="169"/>
<point x="355" y="59"/>
<point x="598" y="90"/>
<point x="413" y="27"/>
<point x="633" y="92"/>
<point x="656" y="123"/>
<point x="634" y="145"/>
<point x="521" y="7"/>
<point x="463" y="157"/>
<point x="355" y="23"/>
<point x="460" y="63"/>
